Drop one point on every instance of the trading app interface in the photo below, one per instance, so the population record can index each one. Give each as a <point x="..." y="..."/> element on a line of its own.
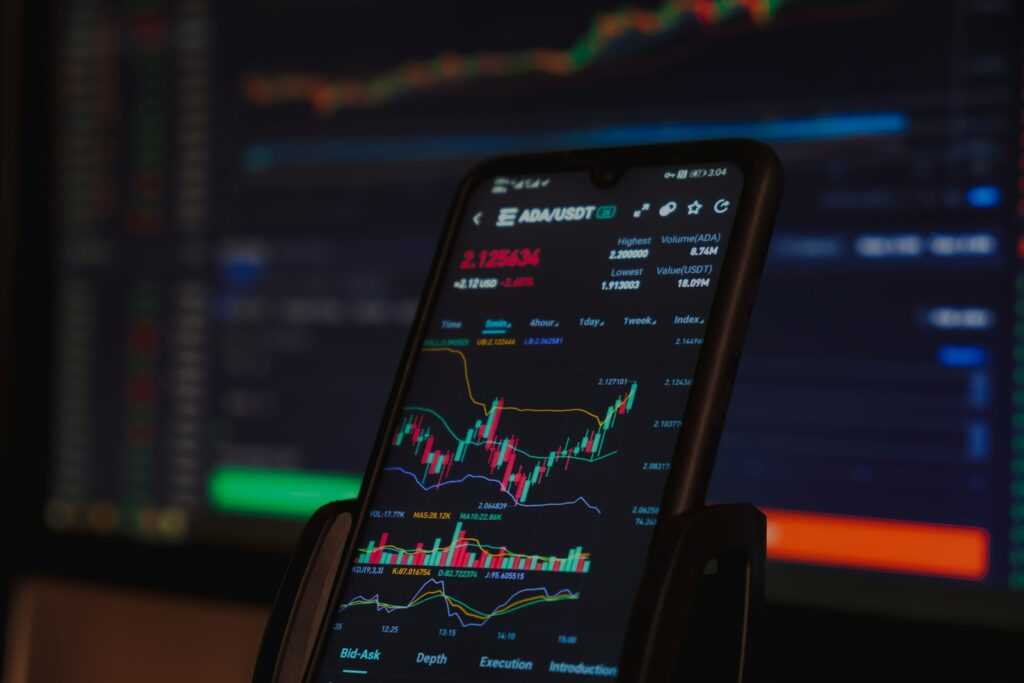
<point x="522" y="479"/>
<point x="248" y="195"/>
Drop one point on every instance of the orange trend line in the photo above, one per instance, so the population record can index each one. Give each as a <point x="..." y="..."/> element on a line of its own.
<point x="483" y="406"/>
<point x="327" y="95"/>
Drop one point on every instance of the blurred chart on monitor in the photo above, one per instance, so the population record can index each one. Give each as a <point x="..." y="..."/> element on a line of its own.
<point x="250" y="194"/>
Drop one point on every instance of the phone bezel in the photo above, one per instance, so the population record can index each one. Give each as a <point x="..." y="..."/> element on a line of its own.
<point x="706" y="406"/>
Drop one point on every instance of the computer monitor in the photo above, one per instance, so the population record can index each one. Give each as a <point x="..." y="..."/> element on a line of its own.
<point x="246" y="195"/>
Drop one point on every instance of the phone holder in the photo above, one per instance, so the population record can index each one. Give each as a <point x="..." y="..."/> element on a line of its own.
<point x="693" y="618"/>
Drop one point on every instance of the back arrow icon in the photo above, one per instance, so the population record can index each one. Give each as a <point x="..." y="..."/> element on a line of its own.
<point x="477" y="217"/>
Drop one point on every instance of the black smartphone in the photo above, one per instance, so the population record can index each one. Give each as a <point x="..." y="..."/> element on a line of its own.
<point x="562" y="393"/>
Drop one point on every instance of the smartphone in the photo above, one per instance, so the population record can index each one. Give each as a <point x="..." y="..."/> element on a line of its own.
<point x="562" y="394"/>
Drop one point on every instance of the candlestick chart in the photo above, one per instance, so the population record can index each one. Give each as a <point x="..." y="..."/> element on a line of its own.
<point x="467" y="615"/>
<point x="446" y="455"/>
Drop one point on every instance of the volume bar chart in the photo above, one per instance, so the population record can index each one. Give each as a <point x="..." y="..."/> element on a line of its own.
<point x="464" y="552"/>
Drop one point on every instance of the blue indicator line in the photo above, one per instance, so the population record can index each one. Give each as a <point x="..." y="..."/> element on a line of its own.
<point x="345" y="150"/>
<point x="428" y="488"/>
<point x="353" y="671"/>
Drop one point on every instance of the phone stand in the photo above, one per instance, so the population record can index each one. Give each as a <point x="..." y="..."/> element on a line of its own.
<point x="692" y="620"/>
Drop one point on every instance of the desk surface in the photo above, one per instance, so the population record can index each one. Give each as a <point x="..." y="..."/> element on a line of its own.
<point x="82" y="633"/>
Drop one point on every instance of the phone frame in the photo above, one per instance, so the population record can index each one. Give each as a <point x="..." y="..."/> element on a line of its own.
<point x="718" y="360"/>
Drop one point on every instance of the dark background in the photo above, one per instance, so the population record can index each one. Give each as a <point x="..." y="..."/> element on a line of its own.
<point x="820" y="59"/>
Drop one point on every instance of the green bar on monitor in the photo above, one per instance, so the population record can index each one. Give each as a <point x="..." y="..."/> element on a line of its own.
<point x="277" y="492"/>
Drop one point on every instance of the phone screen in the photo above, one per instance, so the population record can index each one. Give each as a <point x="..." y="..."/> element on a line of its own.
<point x="508" y="531"/>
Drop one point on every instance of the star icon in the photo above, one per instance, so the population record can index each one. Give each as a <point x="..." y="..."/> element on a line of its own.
<point x="693" y="208"/>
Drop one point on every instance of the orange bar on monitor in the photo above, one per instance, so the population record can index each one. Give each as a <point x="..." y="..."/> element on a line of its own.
<point x="957" y="552"/>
